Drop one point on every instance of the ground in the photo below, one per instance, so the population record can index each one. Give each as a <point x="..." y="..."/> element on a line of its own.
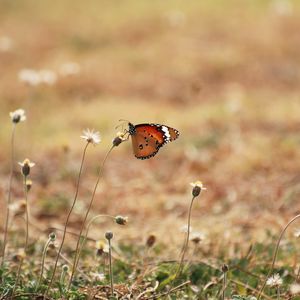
<point x="224" y="73"/>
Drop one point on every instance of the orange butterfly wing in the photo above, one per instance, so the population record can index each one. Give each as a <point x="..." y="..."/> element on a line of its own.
<point x="148" y="138"/>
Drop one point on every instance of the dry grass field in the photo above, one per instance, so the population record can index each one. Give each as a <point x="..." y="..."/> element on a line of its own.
<point x="226" y="74"/>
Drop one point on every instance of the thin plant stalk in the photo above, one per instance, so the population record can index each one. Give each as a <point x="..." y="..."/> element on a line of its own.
<point x="68" y="218"/>
<point x="110" y="269"/>
<point x="86" y="234"/>
<point x="26" y="235"/>
<point x="186" y="243"/>
<point x="224" y="285"/>
<point x="276" y="252"/>
<point x="9" y="192"/>
<point x="43" y="263"/>
<point x="76" y="259"/>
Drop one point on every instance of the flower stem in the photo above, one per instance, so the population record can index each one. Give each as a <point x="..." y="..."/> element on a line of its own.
<point x="275" y="253"/>
<point x="185" y="246"/>
<point x="85" y="237"/>
<point x="110" y="269"/>
<point x="224" y="285"/>
<point x="43" y="262"/>
<point x="26" y="236"/>
<point x="76" y="259"/>
<point x="9" y="192"/>
<point x="67" y="220"/>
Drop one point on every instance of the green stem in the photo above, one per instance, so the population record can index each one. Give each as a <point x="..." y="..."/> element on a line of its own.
<point x="67" y="220"/>
<point x="76" y="259"/>
<point x="9" y="193"/>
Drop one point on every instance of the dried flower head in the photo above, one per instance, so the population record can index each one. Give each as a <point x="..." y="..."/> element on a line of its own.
<point x="28" y="184"/>
<point x="101" y="248"/>
<point x="91" y="136"/>
<point x="19" y="255"/>
<point x="26" y="166"/>
<point x="151" y="240"/>
<point x="120" y="137"/>
<point x="274" y="281"/>
<point x="197" y="237"/>
<point x="224" y="268"/>
<point x="18" y="208"/>
<point x="18" y="116"/>
<point x="197" y="188"/>
<point x="121" y="220"/>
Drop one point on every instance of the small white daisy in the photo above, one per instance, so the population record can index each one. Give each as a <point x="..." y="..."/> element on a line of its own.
<point x="18" y="115"/>
<point x="274" y="280"/>
<point x="30" y="76"/>
<point x="295" y="288"/>
<point x="91" y="136"/>
<point x="198" y="184"/>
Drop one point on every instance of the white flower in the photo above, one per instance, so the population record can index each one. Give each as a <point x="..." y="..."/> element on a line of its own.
<point x="197" y="237"/>
<point x="274" y="280"/>
<point x="26" y="165"/>
<point x="68" y="69"/>
<point x="297" y="233"/>
<point x="47" y="76"/>
<point x="29" y="76"/>
<point x="184" y="228"/>
<point x="18" y="115"/>
<point x="91" y="136"/>
<point x="98" y="276"/>
<point x="295" y="288"/>
<point x="6" y="43"/>
<point x="198" y="184"/>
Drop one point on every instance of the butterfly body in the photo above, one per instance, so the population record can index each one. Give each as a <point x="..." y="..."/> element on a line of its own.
<point x="147" y="139"/>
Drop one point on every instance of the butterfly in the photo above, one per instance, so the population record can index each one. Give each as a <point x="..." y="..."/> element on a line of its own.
<point x="147" y="139"/>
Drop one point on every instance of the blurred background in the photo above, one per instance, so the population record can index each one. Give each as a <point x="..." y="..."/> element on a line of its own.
<point x="224" y="73"/>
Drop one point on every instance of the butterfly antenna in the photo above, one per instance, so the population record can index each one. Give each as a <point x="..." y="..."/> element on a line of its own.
<point x="123" y="120"/>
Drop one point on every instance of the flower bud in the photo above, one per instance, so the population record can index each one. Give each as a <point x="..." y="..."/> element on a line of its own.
<point x="28" y="184"/>
<point x="117" y="141"/>
<point x="150" y="240"/>
<point x="197" y="188"/>
<point x="52" y="236"/>
<point x="65" y="268"/>
<point x="121" y="220"/>
<point x="109" y="235"/>
<point x="224" y="268"/>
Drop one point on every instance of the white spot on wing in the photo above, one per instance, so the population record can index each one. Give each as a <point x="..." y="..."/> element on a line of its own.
<point x="166" y="133"/>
